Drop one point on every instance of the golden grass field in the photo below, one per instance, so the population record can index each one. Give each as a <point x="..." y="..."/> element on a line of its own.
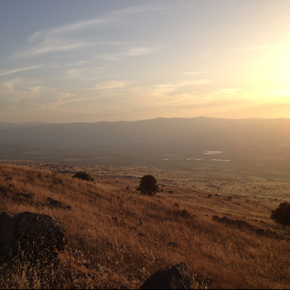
<point x="124" y="236"/>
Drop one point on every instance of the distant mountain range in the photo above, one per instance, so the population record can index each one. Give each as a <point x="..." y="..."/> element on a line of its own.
<point x="7" y="126"/>
<point x="257" y="136"/>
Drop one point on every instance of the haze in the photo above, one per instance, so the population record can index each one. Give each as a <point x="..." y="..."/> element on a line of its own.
<point x="88" y="61"/>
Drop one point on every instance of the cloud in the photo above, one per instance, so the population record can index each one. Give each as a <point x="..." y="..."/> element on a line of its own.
<point x="23" y="92"/>
<point x="137" y="51"/>
<point x="81" y="72"/>
<point x="112" y="18"/>
<point x="20" y="91"/>
<point x="68" y="37"/>
<point x="111" y="85"/>
<point x="53" y="44"/>
<point x="133" y="51"/>
<point x="9" y="72"/>
<point x="173" y="86"/>
<point x="56" y="45"/>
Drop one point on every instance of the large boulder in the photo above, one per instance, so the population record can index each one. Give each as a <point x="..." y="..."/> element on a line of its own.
<point x="30" y="235"/>
<point x="177" y="277"/>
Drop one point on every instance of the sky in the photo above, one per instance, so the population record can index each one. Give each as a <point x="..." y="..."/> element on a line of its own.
<point x="110" y="60"/>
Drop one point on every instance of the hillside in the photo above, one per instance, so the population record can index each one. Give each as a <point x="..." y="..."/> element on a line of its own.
<point x="117" y="237"/>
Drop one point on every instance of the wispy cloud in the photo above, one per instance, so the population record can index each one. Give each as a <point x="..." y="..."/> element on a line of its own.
<point x="68" y="37"/>
<point x="112" y="18"/>
<point x="28" y="93"/>
<point x="9" y="72"/>
<point x="16" y="91"/>
<point x="137" y="51"/>
<point x="111" y="85"/>
<point x="172" y="86"/>
<point x="57" y="45"/>
<point x="130" y="52"/>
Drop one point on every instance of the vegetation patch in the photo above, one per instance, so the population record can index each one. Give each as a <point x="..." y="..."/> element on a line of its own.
<point x="148" y="185"/>
<point x="84" y="176"/>
<point x="282" y="214"/>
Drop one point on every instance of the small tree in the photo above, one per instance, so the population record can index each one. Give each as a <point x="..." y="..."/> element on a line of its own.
<point x="84" y="176"/>
<point x="282" y="214"/>
<point x="148" y="185"/>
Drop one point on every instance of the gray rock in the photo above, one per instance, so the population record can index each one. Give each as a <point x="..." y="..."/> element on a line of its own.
<point x="177" y="277"/>
<point x="30" y="235"/>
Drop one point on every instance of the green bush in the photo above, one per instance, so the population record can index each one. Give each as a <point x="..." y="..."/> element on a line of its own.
<point x="148" y="185"/>
<point x="282" y="214"/>
<point x="84" y="176"/>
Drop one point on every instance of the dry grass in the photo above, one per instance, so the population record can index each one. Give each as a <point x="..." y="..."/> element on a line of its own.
<point x="125" y="236"/>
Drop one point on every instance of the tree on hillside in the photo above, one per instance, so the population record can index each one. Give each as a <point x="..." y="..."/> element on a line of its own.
<point x="282" y="214"/>
<point x="148" y="185"/>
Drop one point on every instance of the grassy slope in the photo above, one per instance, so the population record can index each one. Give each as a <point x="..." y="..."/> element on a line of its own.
<point x="103" y="228"/>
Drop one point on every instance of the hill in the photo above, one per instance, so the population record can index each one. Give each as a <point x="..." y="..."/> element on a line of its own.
<point x="250" y="142"/>
<point x="117" y="237"/>
<point x="175" y="132"/>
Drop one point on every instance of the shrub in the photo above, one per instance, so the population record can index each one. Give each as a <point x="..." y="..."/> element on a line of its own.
<point x="282" y="214"/>
<point x="84" y="176"/>
<point x="148" y="185"/>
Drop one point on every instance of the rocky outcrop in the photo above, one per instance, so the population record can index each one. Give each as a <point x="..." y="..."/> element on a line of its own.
<point x="177" y="277"/>
<point x="30" y="235"/>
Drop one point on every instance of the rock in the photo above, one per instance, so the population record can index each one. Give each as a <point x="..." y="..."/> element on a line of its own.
<point x="177" y="277"/>
<point x="33" y="236"/>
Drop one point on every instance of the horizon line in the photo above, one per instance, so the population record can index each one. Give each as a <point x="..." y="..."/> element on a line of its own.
<point x="36" y="123"/>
